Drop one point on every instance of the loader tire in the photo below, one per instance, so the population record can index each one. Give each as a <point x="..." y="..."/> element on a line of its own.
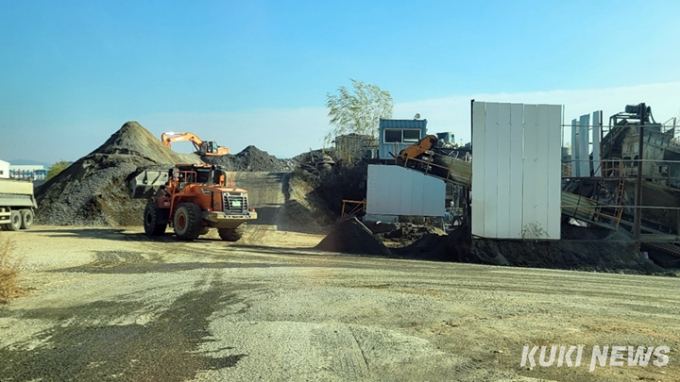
<point x="27" y="218"/>
<point x="232" y="234"/>
<point x="155" y="220"/>
<point x="188" y="222"/>
<point x="14" y="221"/>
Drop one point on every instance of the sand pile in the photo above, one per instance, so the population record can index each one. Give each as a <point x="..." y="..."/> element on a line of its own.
<point x="351" y="236"/>
<point x="252" y="159"/>
<point x="93" y="190"/>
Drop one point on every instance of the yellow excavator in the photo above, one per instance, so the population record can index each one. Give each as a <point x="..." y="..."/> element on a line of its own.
<point x="431" y="157"/>
<point x="204" y="148"/>
<point x="423" y="151"/>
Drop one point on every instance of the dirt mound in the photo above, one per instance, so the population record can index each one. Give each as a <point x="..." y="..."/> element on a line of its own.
<point x="603" y="251"/>
<point x="343" y="181"/>
<point x="405" y="234"/>
<point x="252" y="159"/>
<point x="351" y="236"/>
<point x="93" y="190"/>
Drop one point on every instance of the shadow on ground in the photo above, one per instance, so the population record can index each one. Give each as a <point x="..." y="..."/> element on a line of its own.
<point x="95" y="352"/>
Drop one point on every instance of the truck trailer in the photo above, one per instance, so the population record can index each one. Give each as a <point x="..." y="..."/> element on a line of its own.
<point x="17" y="204"/>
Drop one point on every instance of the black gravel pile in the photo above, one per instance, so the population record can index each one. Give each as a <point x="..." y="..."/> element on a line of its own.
<point x="93" y="190"/>
<point x="351" y="236"/>
<point x="252" y="159"/>
<point x="586" y="249"/>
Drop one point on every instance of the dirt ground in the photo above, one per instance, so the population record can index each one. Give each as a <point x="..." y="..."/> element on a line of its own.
<point x="111" y="304"/>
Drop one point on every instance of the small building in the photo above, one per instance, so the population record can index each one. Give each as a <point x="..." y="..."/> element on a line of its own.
<point x="34" y="172"/>
<point x="4" y="169"/>
<point x="398" y="134"/>
<point x="355" y="146"/>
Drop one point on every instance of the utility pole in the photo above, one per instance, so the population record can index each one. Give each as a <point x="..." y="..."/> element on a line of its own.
<point x="638" y="184"/>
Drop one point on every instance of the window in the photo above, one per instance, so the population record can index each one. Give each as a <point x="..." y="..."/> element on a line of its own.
<point x="392" y="136"/>
<point x="411" y="136"/>
<point x="402" y="135"/>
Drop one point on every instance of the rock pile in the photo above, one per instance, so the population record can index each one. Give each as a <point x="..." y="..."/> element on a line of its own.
<point x="93" y="190"/>
<point x="351" y="236"/>
<point x="251" y="159"/>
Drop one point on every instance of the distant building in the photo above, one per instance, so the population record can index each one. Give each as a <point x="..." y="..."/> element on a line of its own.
<point x="355" y="146"/>
<point x="398" y="134"/>
<point x="4" y="169"/>
<point x="34" y="172"/>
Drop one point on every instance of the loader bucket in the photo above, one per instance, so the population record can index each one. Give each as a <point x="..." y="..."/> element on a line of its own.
<point x="146" y="184"/>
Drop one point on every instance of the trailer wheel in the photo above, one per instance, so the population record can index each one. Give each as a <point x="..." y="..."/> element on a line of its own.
<point x="27" y="218"/>
<point x="155" y="220"/>
<point x="187" y="222"/>
<point x="14" y="221"/>
<point x="232" y="234"/>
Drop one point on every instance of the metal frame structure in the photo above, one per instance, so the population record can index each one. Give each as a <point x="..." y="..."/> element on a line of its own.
<point x="614" y="170"/>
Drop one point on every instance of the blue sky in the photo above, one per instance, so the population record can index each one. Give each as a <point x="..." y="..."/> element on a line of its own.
<point x="257" y="72"/>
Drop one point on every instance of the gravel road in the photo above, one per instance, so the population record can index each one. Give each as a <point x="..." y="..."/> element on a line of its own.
<point x="112" y="305"/>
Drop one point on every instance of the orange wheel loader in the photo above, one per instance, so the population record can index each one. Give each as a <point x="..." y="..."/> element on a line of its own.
<point x="192" y="198"/>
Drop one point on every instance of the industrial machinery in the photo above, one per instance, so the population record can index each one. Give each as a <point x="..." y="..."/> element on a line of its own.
<point x="206" y="148"/>
<point x="431" y="157"/>
<point x="17" y="204"/>
<point x="192" y="198"/>
<point x="423" y="151"/>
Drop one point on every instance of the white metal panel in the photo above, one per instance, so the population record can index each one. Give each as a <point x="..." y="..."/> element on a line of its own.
<point x="542" y="169"/>
<point x="530" y="194"/>
<point x="394" y="190"/>
<point x="434" y="196"/>
<point x="491" y="170"/>
<point x="503" y="165"/>
<point x="574" y="148"/>
<point x="478" y="167"/>
<point x="372" y="191"/>
<point x="597" y="129"/>
<point x="418" y="194"/>
<point x="407" y="198"/>
<point x="554" y="172"/>
<point x="583" y="145"/>
<point x="516" y="160"/>
<point x="531" y="180"/>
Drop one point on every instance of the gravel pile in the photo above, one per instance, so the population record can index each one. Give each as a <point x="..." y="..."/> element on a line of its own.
<point x="93" y="190"/>
<point x="351" y="236"/>
<point x="587" y="249"/>
<point x="252" y="159"/>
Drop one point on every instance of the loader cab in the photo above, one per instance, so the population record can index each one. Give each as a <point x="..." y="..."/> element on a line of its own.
<point x="192" y="174"/>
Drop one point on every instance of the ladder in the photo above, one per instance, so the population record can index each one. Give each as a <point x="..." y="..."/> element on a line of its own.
<point x="618" y="197"/>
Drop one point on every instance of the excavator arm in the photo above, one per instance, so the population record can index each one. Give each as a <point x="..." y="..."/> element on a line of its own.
<point x="417" y="149"/>
<point x="208" y="148"/>
<point x="169" y="137"/>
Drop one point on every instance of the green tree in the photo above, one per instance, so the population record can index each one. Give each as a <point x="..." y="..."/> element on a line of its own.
<point x="56" y="169"/>
<point x="358" y="111"/>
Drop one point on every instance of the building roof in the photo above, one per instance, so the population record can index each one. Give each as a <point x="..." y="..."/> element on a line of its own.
<point x="403" y="123"/>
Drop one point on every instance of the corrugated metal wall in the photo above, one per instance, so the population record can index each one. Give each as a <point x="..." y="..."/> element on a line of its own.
<point x="394" y="190"/>
<point x="516" y="177"/>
